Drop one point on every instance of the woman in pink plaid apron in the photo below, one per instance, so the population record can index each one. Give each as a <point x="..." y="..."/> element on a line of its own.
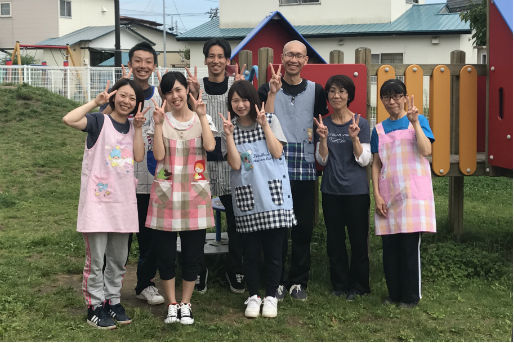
<point x="180" y="197"/>
<point x="402" y="187"/>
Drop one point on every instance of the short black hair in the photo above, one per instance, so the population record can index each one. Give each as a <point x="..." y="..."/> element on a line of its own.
<point x="145" y="46"/>
<point x="393" y="87"/>
<point x="123" y="82"/>
<point x="245" y="90"/>
<point x="341" y="81"/>
<point x="223" y="43"/>
<point x="168" y="81"/>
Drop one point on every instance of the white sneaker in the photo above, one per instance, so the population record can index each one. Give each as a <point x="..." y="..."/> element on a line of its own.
<point x="253" y="306"/>
<point x="172" y="314"/>
<point x="269" y="307"/>
<point x="186" y="315"/>
<point x="151" y="295"/>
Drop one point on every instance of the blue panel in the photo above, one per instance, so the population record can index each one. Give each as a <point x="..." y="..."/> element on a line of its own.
<point x="505" y="9"/>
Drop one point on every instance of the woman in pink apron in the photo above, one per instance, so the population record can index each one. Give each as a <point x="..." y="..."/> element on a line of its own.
<point x="180" y="197"/>
<point x="402" y="187"/>
<point x="107" y="206"/>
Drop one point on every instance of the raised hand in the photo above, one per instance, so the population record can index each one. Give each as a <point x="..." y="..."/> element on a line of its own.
<point x="412" y="110"/>
<point x="124" y="73"/>
<point x="228" y="127"/>
<point x="261" y="116"/>
<point x="159" y="77"/>
<point x="354" y="129"/>
<point x="275" y="83"/>
<point x="321" y="130"/>
<point x="103" y="97"/>
<point x="158" y="112"/>
<point x="240" y="75"/>
<point x="192" y="81"/>
<point x="198" y="105"/>
<point x="140" y="119"/>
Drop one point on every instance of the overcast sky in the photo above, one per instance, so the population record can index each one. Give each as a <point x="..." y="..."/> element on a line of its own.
<point x="187" y="14"/>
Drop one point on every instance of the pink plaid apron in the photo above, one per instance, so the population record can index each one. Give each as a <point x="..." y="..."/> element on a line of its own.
<point x="180" y="197"/>
<point x="405" y="184"/>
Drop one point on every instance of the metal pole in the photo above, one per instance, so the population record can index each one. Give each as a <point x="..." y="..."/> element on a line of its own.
<point x="117" y="44"/>
<point x="164" y="32"/>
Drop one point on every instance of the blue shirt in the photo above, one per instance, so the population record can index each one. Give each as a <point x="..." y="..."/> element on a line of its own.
<point x="400" y="124"/>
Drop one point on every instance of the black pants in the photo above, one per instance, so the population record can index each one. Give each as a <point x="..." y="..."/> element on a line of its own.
<point x="402" y="266"/>
<point x="146" y="255"/>
<point x="352" y="212"/>
<point x="301" y="235"/>
<point x="165" y="249"/>
<point x="270" y="242"/>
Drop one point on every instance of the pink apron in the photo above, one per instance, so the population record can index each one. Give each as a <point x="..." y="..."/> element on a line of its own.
<point x="405" y="184"/>
<point x="180" y="197"/>
<point x="108" y="187"/>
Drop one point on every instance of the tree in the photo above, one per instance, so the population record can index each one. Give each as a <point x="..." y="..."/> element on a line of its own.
<point x="25" y="60"/>
<point x="476" y="15"/>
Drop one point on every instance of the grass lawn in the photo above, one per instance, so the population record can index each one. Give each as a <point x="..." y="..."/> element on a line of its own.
<point x="467" y="286"/>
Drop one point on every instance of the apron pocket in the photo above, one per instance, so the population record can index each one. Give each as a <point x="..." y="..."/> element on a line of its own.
<point x="162" y="191"/>
<point x="421" y="188"/>
<point x="308" y="152"/>
<point x="275" y="189"/>
<point x="101" y="189"/>
<point x="201" y="194"/>
<point x="244" y="198"/>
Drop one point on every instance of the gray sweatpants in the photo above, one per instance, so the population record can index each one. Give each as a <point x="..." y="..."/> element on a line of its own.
<point x="98" y="285"/>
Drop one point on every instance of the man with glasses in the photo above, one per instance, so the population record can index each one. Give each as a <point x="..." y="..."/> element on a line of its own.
<point x="296" y="103"/>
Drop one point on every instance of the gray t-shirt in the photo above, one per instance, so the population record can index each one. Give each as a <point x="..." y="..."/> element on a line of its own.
<point x="274" y="125"/>
<point x="342" y="174"/>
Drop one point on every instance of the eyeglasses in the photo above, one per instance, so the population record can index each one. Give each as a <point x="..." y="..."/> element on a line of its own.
<point x="333" y="91"/>
<point x="395" y="97"/>
<point x="290" y="55"/>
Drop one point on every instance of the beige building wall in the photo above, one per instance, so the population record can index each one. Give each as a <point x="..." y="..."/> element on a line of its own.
<point x="85" y="13"/>
<point x="31" y="21"/>
<point x="248" y="13"/>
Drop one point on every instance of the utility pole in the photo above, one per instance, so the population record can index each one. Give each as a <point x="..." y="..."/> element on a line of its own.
<point x="164" y="31"/>
<point x="117" y="44"/>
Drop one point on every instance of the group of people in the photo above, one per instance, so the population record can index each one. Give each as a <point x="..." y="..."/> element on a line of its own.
<point x="256" y="150"/>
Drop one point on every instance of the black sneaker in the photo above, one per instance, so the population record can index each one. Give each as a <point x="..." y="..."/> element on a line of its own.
<point x="298" y="293"/>
<point x="236" y="282"/>
<point x="100" y="319"/>
<point x="201" y="282"/>
<point x="117" y="312"/>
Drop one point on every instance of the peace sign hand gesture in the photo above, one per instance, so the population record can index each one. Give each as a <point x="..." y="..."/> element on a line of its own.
<point x="159" y="77"/>
<point x="198" y="105"/>
<point x="124" y="72"/>
<point x="140" y="119"/>
<point x="354" y="129"/>
<point x="192" y="82"/>
<point x="322" y="130"/>
<point x="261" y="116"/>
<point x="412" y="110"/>
<point x="158" y="112"/>
<point x="103" y="97"/>
<point x="228" y="127"/>
<point x="275" y="83"/>
<point x="240" y="75"/>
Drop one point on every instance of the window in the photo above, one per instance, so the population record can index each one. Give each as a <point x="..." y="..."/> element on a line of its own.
<point x="412" y="1"/>
<point x="387" y="58"/>
<point x="65" y="8"/>
<point x="5" y="9"/>
<point x="298" y="2"/>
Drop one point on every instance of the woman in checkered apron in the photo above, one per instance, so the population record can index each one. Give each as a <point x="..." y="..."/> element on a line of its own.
<point x="402" y="186"/>
<point x="180" y="197"/>
<point x="263" y="207"/>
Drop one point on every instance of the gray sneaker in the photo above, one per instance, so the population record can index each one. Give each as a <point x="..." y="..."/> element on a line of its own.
<point x="298" y="293"/>
<point x="281" y="292"/>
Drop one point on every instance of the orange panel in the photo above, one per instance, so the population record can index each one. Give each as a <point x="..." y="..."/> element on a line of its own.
<point x="384" y="73"/>
<point x="414" y="83"/>
<point x="440" y="119"/>
<point x="468" y="120"/>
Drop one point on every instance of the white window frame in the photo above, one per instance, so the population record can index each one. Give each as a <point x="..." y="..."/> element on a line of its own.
<point x="67" y="4"/>
<point x="10" y="9"/>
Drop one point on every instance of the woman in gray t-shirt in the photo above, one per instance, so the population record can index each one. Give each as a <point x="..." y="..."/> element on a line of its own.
<point x="344" y="150"/>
